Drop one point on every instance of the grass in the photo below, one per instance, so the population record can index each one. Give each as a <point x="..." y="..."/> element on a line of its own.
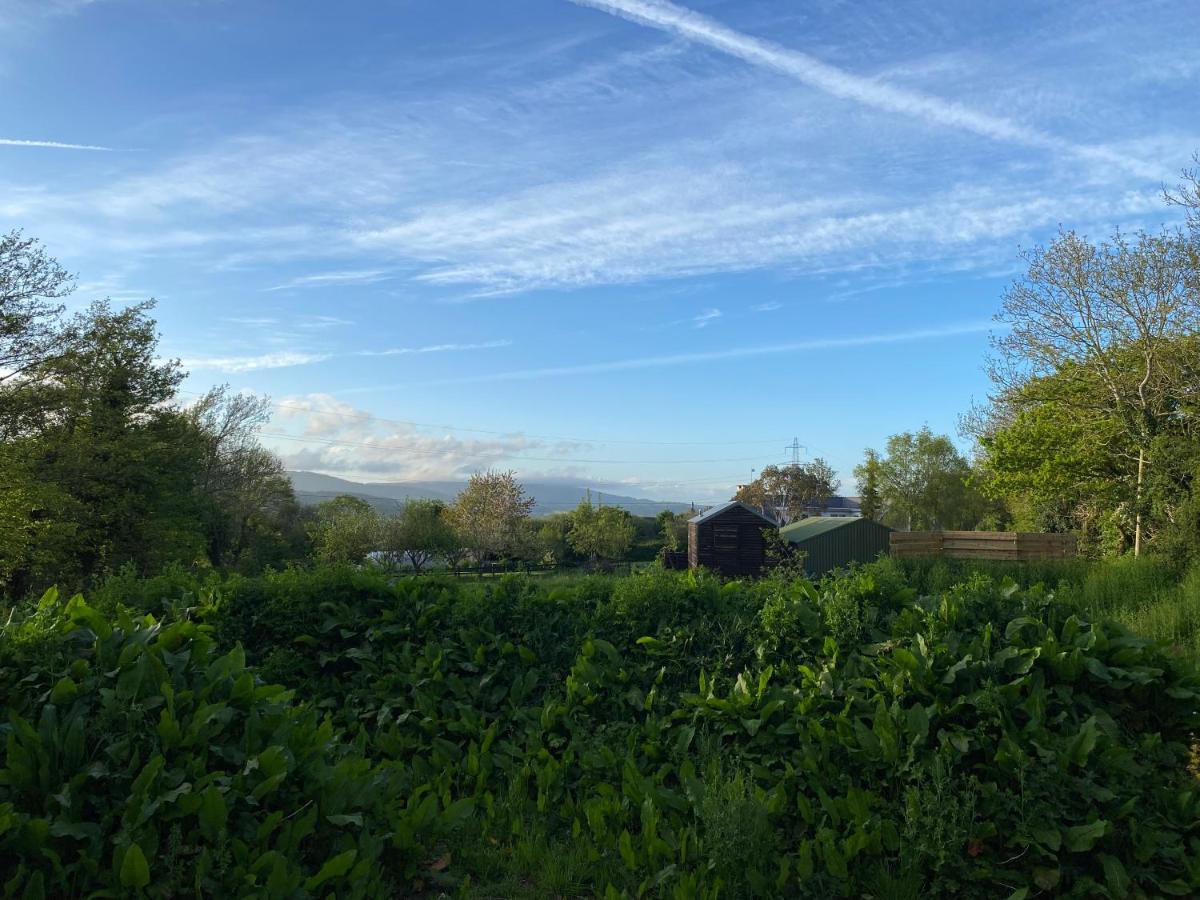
<point x="1148" y="595"/>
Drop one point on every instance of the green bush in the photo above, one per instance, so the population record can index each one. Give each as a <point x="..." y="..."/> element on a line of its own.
<point x="140" y="760"/>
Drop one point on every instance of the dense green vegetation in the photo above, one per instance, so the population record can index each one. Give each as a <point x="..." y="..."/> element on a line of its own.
<point x="658" y="735"/>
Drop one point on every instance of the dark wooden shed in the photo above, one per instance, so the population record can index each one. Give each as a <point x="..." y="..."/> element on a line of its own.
<point x="834" y="543"/>
<point x="729" y="539"/>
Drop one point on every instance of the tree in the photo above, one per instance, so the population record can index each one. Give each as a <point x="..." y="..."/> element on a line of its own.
<point x="345" y="530"/>
<point x="421" y="533"/>
<point x="249" y="497"/>
<point x="30" y="284"/>
<point x="789" y="492"/>
<point x="923" y="483"/>
<point x="600" y="533"/>
<point x="1057" y="470"/>
<point x="490" y="514"/>
<point x="552" y="542"/>
<point x="1111" y="315"/>
<point x="674" y="529"/>
<point x="867" y="474"/>
<point x="93" y="427"/>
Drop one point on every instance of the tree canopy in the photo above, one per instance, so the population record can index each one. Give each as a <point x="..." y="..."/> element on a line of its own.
<point x="792" y="491"/>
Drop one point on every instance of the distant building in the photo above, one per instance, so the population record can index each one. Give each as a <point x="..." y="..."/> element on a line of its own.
<point x="838" y="508"/>
<point x="729" y="539"/>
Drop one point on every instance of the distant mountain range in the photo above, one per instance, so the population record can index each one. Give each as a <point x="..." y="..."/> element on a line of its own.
<point x="388" y="497"/>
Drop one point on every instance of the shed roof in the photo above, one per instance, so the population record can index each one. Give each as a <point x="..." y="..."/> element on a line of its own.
<point x="804" y="529"/>
<point x="724" y="507"/>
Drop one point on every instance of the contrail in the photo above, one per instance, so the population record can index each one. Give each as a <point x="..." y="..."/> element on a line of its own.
<point x="55" y="145"/>
<point x="682" y="359"/>
<point x="700" y="29"/>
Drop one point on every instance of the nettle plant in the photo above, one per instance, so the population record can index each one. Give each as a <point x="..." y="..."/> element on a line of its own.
<point x="140" y="761"/>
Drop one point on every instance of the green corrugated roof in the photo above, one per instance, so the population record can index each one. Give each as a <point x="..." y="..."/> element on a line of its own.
<point x="814" y="525"/>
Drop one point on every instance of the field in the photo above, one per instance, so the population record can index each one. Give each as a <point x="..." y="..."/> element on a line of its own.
<point x="912" y="730"/>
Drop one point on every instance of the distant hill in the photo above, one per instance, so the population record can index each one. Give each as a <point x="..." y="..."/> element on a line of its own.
<point x="388" y="497"/>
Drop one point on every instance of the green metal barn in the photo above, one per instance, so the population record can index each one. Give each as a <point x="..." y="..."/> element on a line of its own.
<point x="833" y="543"/>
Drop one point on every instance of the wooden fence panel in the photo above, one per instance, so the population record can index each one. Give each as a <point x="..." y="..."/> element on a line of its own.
<point x="998" y="545"/>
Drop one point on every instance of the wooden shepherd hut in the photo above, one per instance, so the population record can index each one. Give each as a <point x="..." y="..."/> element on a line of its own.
<point x="729" y="539"/>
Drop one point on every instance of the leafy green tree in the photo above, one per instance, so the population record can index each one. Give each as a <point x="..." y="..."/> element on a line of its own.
<point x="673" y="527"/>
<point x="552" y="542"/>
<point x="1057" y="470"/>
<point x="490" y="514"/>
<point x="250" y="506"/>
<point x="603" y="533"/>
<point x="1111" y="315"/>
<point x="420" y="534"/>
<point x="93" y="427"/>
<point x="345" y="529"/>
<point x="31" y="284"/>
<point x="867" y="475"/>
<point x="924" y="484"/>
<point x="790" y="492"/>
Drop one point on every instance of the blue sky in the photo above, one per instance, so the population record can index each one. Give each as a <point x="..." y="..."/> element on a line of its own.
<point x="622" y="240"/>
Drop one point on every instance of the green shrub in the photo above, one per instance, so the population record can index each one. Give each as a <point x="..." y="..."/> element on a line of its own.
<point x="141" y="760"/>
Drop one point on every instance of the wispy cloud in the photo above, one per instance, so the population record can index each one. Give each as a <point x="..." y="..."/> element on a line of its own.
<point x="252" y="321"/>
<point x="705" y="356"/>
<point x="436" y="348"/>
<point x="845" y="85"/>
<point x="280" y="360"/>
<point x="55" y="145"/>
<point x="333" y="279"/>
<point x="769" y="306"/>
<point x="285" y="359"/>
<point x="704" y="319"/>
<point x="317" y="322"/>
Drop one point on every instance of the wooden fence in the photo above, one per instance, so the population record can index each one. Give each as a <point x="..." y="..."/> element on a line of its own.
<point x="1000" y="545"/>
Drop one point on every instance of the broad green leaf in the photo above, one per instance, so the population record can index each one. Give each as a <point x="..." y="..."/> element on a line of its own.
<point x="1081" y="838"/>
<point x="213" y="811"/>
<point x="135" y="872"/>
<point x="334" y="868"/>
<point x="625" y="845"/>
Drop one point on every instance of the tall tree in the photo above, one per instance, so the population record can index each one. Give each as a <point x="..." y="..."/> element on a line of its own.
<point x="923" y="483"/>
<point x="345" y="529"/>
<point x="420" y="534"/>
<point x="1112" y="314"/>
<point x="673" y="527"/>
<point x="244" y="486"/>
<point x="490" y="514"/>
<point x="600" y="533"/>
<point x="31" y="284"/>
<point x="790" y="492"/>
<point x="94" y="425"/>
<point x="867" y="474"/>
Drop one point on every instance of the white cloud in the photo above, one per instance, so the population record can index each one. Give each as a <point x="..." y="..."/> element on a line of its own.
<point x="704" y="319"/>
<point x="283" y="359"/>
<point x="436" y="348"/>
<point x="769" y="306"/>
<point x="337" y="438"/>
<point x="54" y="145"/>
<point x="280" y="360"/>
<point x="317" y="322"/>
<point x="334" y="279"/>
